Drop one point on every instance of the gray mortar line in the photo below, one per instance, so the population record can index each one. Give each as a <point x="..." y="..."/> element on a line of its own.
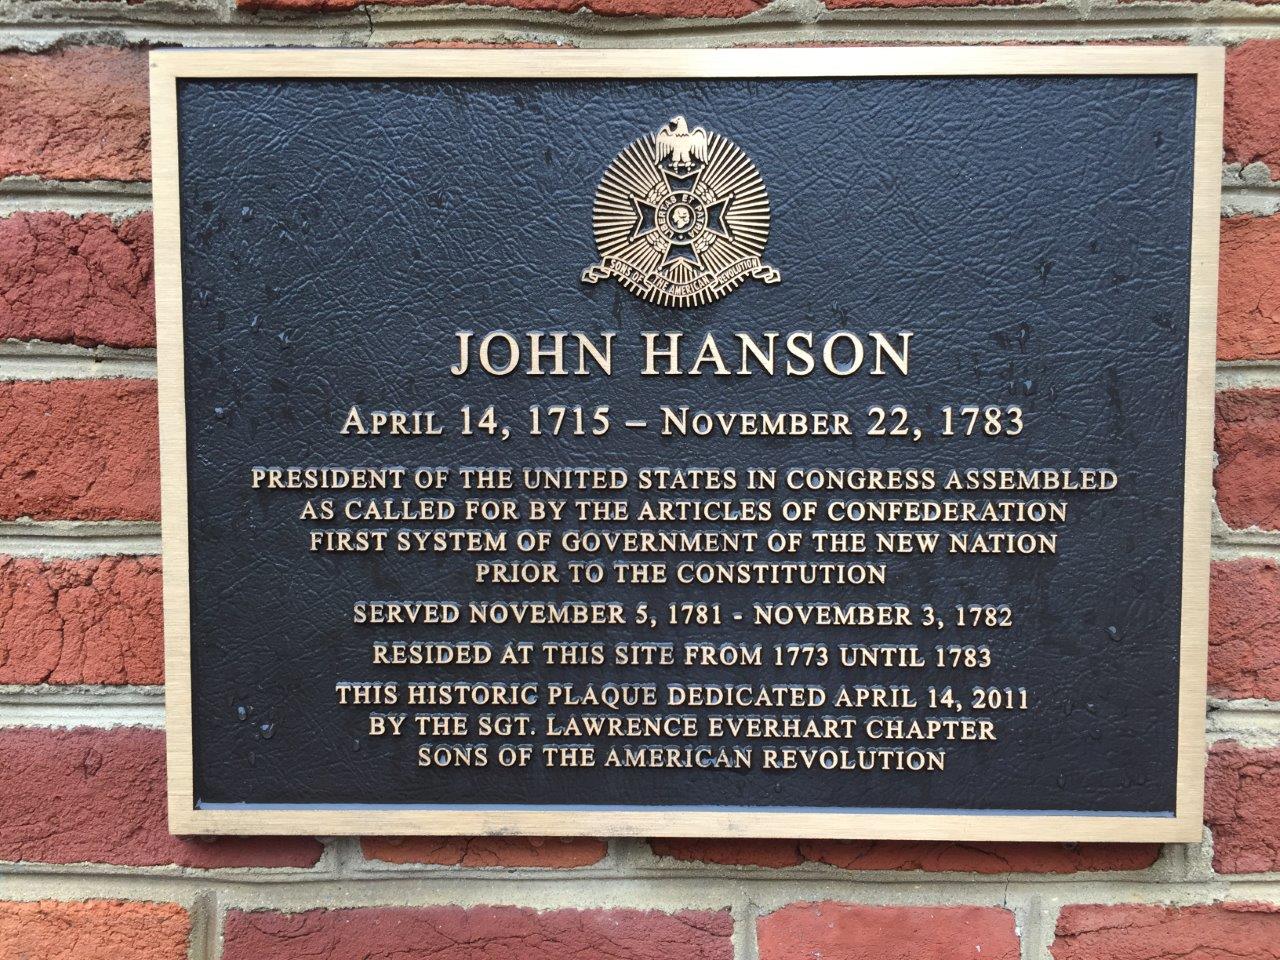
<point x="1253" y="728"/>
<point x="1246" y="374"/>
<point x="40" y="360"/>
<point x="55" y="539"/>
<point x="1232" y="551"/>
<point x="405" y="24"/>
<point x="346" y="853"/>
<point x="1036" y="934"/>
<point x="118" y="199"/>
<point x="1250" y="201"/>
<point x="650" y="866"/>
<point x="204" y="926"/>
<point x="54" y="714"/>
<point x="745" y="915"/>
<point x="644" y="866"/>
<point x="1251" y="175"/>
<point x="577" y="889"/>
<point x="788" y="13"/>
<point x="19" y="186"/>
<point x="1229" y="544"/>
<point x="12" y="694"/>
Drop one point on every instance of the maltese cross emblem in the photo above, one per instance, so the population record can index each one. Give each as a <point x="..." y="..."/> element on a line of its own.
<point x="681" y="218"/>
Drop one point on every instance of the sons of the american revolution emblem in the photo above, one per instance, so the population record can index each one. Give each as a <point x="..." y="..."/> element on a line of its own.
<point x="681" y="218"/>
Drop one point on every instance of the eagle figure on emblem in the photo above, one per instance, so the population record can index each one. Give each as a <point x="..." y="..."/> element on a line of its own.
<point x="681" y="144"/>
<point x="681" y="218"/>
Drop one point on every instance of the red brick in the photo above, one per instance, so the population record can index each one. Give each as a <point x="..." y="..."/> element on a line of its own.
<point x="608" y="8"/>
<point x="81" y="621"/>
<point x="1241" y="787"/>
<point x="78" y="113"/>
<point x="84" y="280"/>
<point x="477" y="933"/>
<point x="98" y="796"/>
<point x="733" y="853"/>
<point x="1249" y="289"/>
<point x="1251" y="122"/>
<point x="933" y="857"/>
<point x="556" y="852"/>
<point x="1244" y="630"/>
<point x="1143" y="932"/>
<point x="93" y="930"/>
<point x="1247" y="437"/>
<point x="79" y="450"/>
<point x="843" y="931"/>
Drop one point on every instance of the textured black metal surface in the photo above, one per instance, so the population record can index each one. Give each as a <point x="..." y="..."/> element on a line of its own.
<point x="1033" y="232"/>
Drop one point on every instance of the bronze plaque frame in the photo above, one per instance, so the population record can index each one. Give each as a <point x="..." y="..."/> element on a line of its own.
<point x="1205" y="63"/>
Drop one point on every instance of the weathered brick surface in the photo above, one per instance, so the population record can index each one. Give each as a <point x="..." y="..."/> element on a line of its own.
<point x="87" y="450"/>
<point x="81" y="621"/>
<point x="78" y="113"/>
<point x="93" y="930"/>
<point x="552" y="852"/>
<point x="1249" y="289"/>
<point x="79" y="450"/>
<point x="933" y="857"/>
<point x="1247" y="439"/>
<point x="1251" y="123"/>
<point x="98" y="796"/>
<point x="1244" y="629"/>
<point x="84" y="280"/>
<point x="1242" y="786"/>
<point x="478" y="933"/>
<point x="1142" y="932"/>
<point x="608" y="8"/>
<point x="842" y="931"/>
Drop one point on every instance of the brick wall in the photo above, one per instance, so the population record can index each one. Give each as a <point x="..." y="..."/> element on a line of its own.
<point x="88" y="869"/>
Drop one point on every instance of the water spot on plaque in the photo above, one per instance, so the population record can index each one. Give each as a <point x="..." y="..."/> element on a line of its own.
<point x="1113" y="634"/>
<point x="246" y="213"/>
<point x="267" y="730"/>
<point x="242" y="712"/>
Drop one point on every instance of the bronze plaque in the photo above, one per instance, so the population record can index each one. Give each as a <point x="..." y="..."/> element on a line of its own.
<point x="776" y="443"/>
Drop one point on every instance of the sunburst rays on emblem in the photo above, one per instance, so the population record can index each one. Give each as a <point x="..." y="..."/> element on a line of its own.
<point x="681" y="218"/>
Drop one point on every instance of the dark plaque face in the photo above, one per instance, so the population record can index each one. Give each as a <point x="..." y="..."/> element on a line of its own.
<point x="688" y="455"/>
